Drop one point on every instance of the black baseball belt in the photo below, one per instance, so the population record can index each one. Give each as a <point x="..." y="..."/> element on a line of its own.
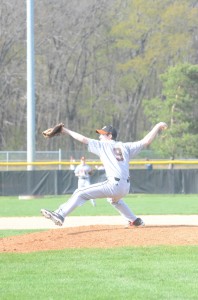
<point x="118" y="179"/>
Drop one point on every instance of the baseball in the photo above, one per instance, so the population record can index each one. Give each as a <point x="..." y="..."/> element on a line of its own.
<point x="164" y="126"/>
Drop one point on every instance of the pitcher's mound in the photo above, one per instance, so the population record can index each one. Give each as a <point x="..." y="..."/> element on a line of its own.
<point x="102" y="236"/>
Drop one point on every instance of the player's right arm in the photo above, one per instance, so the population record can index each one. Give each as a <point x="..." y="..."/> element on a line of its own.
<point x="77" y="136"/>
<point x="152" y="134"/>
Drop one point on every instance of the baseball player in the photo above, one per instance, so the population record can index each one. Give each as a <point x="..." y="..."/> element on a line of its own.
<point x="115" y="156"/>
<point x="83" y="172"/>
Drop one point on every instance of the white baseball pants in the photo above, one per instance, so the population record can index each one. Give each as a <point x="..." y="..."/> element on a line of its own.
<point x="111" y="189"/>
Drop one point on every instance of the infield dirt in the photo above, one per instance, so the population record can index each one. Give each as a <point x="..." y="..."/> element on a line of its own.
<point x="102" y="236"/>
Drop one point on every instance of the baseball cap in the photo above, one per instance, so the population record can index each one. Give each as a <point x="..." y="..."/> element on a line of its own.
<point x="108" y="129"/>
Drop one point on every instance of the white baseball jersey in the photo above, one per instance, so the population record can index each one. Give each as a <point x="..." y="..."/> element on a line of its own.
<point x="82" y="171"/>
<point x="115" y="156"/>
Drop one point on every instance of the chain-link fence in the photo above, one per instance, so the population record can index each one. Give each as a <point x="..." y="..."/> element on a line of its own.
<point x="61" y="155"/>
<point x="49" y="160"/>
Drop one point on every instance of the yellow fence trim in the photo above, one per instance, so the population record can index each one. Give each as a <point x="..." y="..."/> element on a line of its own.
<point x="47" y="163"/>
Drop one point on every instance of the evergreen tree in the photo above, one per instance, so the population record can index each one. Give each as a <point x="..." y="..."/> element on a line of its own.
<point x="178" y="106"/>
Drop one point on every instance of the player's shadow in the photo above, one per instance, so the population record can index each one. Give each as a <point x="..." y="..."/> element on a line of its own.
<point x="94" y="230"/>
<point x="132" y="228"/>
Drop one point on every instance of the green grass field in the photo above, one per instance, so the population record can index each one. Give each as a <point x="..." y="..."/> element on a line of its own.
<point x="123" y="273"/>
<point x="142" y="273"/>
<point x="140" y="204"/>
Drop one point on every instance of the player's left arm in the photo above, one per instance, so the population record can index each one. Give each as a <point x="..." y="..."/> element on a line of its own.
<point x="153" y="133"/>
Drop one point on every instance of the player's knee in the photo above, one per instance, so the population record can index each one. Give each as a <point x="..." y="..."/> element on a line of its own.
<point x="112" y="201"/>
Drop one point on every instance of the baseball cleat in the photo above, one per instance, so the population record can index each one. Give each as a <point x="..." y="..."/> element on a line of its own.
<point x="137" y="223"/>
<point x="56" y="218"/>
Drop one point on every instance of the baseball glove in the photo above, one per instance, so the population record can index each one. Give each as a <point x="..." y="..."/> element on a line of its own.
<point x="51" y="132"/>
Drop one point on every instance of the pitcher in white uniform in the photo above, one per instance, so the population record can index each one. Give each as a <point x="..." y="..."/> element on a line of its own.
<point x="115" y="157"/>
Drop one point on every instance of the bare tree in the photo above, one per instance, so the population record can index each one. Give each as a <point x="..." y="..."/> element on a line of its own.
<point x="68" y="53"/>
<point x="12" y="74"/>
<point x="95" y="61"/>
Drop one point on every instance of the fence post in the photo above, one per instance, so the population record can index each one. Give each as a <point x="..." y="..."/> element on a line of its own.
<point x="59" y="158"/>
<point x="7" y="157"/>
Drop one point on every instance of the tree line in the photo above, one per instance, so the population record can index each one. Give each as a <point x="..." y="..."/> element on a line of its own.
<point x="98" y="62"/>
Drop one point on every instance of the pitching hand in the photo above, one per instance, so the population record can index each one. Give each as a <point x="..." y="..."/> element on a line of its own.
<point x="162" y="125"/>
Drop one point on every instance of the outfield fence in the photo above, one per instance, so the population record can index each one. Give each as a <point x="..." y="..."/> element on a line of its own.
<point x="52" y="173"/>
<point x="60" y="182"/>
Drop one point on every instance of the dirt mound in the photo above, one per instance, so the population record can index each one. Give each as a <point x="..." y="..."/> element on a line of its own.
<point x="103" y="236"/>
